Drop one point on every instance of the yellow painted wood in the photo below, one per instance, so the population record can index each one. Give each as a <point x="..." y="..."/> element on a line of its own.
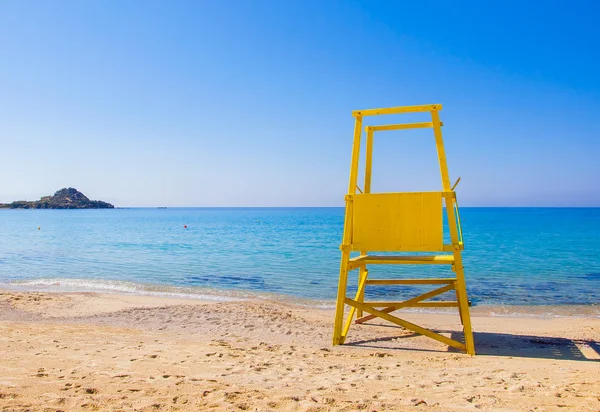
<point x="360" y="289"/>
<point x="461" y="288"/>
<point x="408" y="303"/>
<point x="439" y="143"/>
<point x="451" y="248"/>
<point x="463" y="304"/>
<point x="410" y="222"/>
<point x="363" y="273"/>
<point x="397" y="110"/>
<point x="435" y="304"/>
<point x="427" y="281"/>
<point x="400" y="260"/>
<point x="400" y="126"/>
<point x="343" y="280"/>
<point x="400" y="222"/>
<point x="405" y="324"/>
<point x="368" y="161"/>
<point x="362" y="279"/>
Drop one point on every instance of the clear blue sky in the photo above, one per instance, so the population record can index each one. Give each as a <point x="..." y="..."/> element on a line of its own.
<point x="248" y="103"/>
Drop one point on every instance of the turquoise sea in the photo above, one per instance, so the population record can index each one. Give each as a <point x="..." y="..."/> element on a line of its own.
<point x="513" y="256"/>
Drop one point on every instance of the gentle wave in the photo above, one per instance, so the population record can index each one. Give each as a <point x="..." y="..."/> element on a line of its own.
<point x="205" y="294"/>
<point x="125" y="287"/>
<point x="118" y="286"/>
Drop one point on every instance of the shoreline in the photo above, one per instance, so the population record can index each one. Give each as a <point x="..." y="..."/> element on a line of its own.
<point x="97" y="351"/>
<point x="226" y="295"/>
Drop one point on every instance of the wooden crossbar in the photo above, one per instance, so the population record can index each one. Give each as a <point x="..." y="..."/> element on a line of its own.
<point x="430" y="281"/>
<point x="409" y="302"/>
<point x="397" y="110"/>
<point x="405" y="324"/>
<point x="435" y="304"/>
<point x="355" y="263"/>
<point x="401" y="126"/>
<point x="399" y="260"/>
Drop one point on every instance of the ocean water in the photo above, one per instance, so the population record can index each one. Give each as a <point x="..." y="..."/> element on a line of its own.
<point x="512" y="256"/>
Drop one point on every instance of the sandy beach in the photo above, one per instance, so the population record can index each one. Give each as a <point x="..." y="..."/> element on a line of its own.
<point x="90" y="351"/>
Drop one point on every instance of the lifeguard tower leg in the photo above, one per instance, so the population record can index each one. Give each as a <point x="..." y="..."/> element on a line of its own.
<point x="359" y="292"/>
<point x="463" y="304"/>
<point x="346" y="246"/>
<point x="461" y="289"/>
<point x="363" y="272"/>
<point x="341" y="297"/>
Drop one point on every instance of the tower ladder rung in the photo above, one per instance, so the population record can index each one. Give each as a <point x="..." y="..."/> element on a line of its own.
<point x="424" y="281"/>
<point x="403" y="259"/>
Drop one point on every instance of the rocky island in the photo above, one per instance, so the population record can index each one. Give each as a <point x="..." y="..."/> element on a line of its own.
<point x="67" y="198"/>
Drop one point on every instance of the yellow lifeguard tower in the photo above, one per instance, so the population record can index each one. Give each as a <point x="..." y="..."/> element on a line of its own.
<point x="400" y="222"/>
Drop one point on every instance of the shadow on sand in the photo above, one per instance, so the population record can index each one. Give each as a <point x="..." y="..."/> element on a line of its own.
<point x="504" y="344"/>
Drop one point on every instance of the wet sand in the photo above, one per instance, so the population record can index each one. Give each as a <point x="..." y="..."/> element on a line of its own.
<point x="89" y="351"/>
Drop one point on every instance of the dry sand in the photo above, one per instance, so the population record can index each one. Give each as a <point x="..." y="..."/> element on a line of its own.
<point x="87" y="351"/>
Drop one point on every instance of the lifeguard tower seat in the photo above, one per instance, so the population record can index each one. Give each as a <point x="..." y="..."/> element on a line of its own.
<point x="400" y="222"/>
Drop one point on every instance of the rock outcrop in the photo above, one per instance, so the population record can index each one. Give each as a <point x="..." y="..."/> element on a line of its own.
<point x="63" y="199"/>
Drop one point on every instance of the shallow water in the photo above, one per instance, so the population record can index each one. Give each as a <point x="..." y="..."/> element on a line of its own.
<point x="513" y="256"/>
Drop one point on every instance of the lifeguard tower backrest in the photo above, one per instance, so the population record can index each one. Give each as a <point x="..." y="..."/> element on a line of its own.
<point x="403" y="222"/>
<point x="410" y="222"/>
